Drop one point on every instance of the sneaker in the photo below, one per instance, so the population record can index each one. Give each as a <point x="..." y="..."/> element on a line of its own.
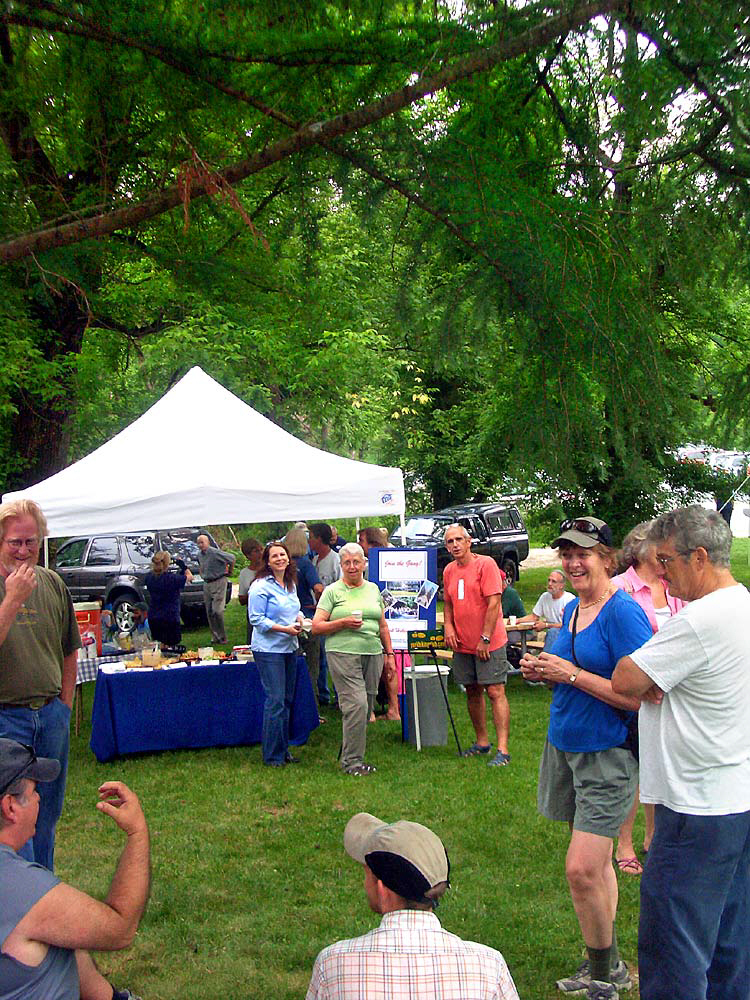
<point x="580" y="981"/>
<point x="124" y="995"/>
<point x="601" y="991"/>
<point x="476" y="749"/>
<point x="499" y="760"/>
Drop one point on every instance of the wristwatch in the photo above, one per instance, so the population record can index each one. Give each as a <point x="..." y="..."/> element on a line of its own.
<point x="486" y="638"/>
<point x="573" y="677"/>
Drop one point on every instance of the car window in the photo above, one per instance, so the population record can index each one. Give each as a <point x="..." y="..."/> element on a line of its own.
<point x="140" y="547"/>
<point x="71" y="554"/>
<point x="500" y="520"/>
<point x="104" y="551"/>
<point x="425" y="527"/>
<point x="181" y="545"/>
<point x="478" y="529"/>
<point x="468" y="523"/>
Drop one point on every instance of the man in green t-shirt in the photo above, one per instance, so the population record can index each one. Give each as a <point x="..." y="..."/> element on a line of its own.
<point x="39" y="642"/>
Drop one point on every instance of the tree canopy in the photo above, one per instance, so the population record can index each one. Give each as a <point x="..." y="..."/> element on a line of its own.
<point x="493" y="243"/>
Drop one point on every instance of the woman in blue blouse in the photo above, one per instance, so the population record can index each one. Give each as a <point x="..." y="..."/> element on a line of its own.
<point x="274" y="613"/>
<point x="588" y="774"/>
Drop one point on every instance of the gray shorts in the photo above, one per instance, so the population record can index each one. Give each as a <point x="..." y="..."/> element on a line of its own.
<point x="469" y="669"/>
<point x="593" y="791"/>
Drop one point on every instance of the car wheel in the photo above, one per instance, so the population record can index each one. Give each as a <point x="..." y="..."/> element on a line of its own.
<point x="510" y="568"/>
<point x="122" y="611"/>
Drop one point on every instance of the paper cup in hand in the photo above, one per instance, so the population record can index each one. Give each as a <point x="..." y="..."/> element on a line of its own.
<point x="513" y="619"/>
<point x="357" y="615"/>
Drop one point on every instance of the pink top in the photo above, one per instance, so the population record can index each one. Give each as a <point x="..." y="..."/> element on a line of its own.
<point x="640" y="591"/>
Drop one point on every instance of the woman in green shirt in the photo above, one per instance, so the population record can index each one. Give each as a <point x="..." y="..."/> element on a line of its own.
<point x="351" y="616"/>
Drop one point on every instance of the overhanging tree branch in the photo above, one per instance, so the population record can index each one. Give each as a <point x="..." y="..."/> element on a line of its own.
<point x="317" y="133"/>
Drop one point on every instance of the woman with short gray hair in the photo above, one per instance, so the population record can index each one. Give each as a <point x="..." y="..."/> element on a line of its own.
<point x="351" y="617"/>
<point x="641" y="578"/>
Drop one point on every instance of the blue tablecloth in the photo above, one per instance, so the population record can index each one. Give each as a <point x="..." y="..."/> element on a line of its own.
<point x="189" y="707"/>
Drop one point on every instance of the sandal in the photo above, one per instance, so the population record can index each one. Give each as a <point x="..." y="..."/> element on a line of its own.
<point x="629" y="866"/>
<point x="475" y="749"/>
<point x="359" y="770"/>
<point x="499" y="760"/>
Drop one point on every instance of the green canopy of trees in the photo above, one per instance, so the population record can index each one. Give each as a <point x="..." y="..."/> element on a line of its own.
<point x="500" y="244"/>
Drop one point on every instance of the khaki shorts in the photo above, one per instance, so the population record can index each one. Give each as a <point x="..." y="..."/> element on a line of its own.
<point x="469" y="669"/>
<point x="593" y="791"/>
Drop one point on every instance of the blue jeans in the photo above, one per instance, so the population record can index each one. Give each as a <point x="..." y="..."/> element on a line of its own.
<point x="47" y="731"/>
<point x="550" y="639"/>
<point x="695" y="907"/>
<point x="278" y="675"/>
<point x="324" y="695"/>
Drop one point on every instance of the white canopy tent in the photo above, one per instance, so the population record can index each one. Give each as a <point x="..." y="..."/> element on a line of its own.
<point x="202" y="456"/>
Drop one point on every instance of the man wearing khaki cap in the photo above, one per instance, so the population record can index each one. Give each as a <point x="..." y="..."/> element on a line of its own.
<point x="409" y="954"/>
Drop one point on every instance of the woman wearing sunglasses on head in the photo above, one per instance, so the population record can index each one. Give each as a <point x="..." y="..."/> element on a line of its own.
<point x="588" y="776"/>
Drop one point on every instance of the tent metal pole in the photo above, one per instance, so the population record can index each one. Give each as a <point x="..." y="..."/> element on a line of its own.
<point x="403" y="529"/>
<point x="356" y="524"/>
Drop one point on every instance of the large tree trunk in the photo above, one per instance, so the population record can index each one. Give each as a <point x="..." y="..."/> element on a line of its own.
<point x="41" y="428"/>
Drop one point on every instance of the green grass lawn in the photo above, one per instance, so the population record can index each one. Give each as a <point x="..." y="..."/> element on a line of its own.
<point x="250" y="878"/>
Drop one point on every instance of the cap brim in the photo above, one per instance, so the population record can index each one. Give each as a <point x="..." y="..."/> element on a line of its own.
<point x="43" y="769"/>
<point x="577" y="538"/>
<point x="358" y="831"/>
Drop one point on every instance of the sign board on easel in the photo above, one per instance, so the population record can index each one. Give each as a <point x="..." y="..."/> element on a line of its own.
<point x="407" y="579"/>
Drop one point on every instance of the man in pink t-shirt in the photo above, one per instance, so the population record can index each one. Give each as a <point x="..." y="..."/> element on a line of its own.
<point x="475" y="631"/>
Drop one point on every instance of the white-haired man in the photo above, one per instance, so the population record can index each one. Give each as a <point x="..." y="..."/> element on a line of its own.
<point x="45" y="925"/>
<point x="409" y="955"/>
<point x="694" y="679"/>
<point x="215" y="567"/>
<point x="474" y="630"/>
<point x="550" y="606"/>
<point x="39" y="642"/>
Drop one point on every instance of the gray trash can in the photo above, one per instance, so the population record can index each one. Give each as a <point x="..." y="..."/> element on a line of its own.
<point x="433" y="717"/>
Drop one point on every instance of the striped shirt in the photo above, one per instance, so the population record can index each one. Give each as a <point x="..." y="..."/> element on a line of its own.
<point x="410" y="957"/>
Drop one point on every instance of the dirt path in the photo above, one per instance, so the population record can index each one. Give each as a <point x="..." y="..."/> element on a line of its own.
<point x="541" y="557"/>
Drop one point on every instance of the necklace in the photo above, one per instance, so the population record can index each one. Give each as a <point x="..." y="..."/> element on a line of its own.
<point x="599" y="600"/>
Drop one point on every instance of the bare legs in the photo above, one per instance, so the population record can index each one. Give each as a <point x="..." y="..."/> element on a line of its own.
<point x="593" y="886"/>
<point x="478" y="713"/>
<point x="625" y="847"/>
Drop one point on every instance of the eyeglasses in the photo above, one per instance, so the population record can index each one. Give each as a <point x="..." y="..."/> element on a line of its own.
<point x="664" y="561"/>
<point x="20" y="771"/>
<point x="18" y="543"/>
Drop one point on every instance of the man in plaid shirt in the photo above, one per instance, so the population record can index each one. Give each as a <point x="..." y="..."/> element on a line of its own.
<point x="409" y="956"/>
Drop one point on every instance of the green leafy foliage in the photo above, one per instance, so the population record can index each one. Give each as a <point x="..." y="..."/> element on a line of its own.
<point x="533" y="278"/>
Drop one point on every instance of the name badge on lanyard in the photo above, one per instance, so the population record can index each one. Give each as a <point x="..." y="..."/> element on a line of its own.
<point x="460" y="590"/>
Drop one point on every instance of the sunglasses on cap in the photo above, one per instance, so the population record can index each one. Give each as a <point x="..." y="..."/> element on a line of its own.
<point x="22" y="770"/>
<point x="587" y="527"/>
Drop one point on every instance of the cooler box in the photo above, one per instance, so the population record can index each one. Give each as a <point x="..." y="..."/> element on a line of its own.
<point x="89" y="618"/>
